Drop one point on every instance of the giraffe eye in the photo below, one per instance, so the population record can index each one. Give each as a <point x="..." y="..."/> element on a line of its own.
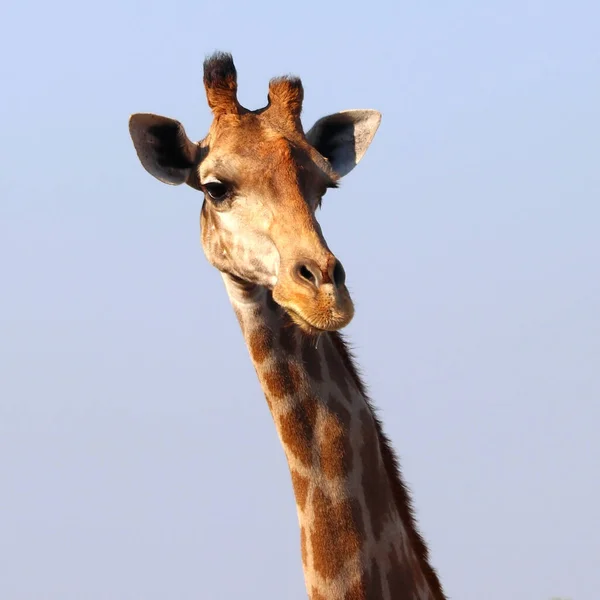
<point x="217" y="191"/>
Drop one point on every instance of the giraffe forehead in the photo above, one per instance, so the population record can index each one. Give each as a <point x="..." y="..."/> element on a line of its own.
<point x="253" y="149"/>
<point x="247" y="160"/>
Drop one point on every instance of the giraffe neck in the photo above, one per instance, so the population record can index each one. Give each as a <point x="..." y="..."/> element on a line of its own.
<point x="355" y="541"/>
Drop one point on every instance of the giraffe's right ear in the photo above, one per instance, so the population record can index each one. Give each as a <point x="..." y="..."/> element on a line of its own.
<point x="164" y="148"/>
<point x="343" y="138"/>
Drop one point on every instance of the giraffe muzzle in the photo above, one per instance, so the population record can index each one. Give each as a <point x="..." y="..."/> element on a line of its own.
<point x="316" y="296"/>
<point x="307" y="272"/>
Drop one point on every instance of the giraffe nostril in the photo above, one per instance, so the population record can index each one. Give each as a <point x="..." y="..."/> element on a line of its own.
<point x="339" y="274"/>
<point x="308" y="273"/>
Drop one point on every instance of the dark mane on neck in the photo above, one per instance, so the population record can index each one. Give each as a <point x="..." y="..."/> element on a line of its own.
<point x="392" y="467"/>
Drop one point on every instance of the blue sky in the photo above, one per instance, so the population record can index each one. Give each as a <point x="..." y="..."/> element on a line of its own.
<point x="137" y="455"/>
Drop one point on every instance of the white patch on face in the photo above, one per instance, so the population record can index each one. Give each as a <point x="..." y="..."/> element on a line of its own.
<point x="252" y="255"/>
<point x="227" y="221"/>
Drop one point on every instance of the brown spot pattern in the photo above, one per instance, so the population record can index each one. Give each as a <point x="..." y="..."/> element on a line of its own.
<point x="300" y="484"/>
<point x="284" y="379"/>
<point x="261" y="344"/>
<point x="335" y="448"/>
<point x="374" y="478"/>
<point x="337" y="534"/>
<point x="400" y="494"/>
<point x="297" y="429"/>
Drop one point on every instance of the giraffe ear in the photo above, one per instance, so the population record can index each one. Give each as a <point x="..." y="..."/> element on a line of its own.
<point x="164" y="148"/>
<point x="343" y="138"/>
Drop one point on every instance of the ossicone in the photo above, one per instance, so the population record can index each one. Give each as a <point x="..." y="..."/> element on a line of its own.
<point x="220" y="82"/>
<point x="285" y="97"/>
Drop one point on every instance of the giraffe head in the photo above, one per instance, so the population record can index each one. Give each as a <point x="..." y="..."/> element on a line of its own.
<point x="263" y="179"/>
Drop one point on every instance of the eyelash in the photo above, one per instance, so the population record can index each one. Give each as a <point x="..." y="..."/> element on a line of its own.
<point x="217" y="191"/>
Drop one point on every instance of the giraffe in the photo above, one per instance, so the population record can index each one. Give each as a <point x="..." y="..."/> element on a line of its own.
<point x="263" y="179"/>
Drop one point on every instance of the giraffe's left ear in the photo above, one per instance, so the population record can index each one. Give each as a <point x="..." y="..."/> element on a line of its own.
<point x="343" y="138"/>
<point x="164" y="148"/>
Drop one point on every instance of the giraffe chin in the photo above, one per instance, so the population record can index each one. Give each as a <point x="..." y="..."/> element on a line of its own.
<point x="316" y="324"/>
<point x="315" y="311"/>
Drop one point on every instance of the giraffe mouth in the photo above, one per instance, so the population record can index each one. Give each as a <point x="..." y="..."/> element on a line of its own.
<point x="316" y="327"/>
<point x="326" y="308"/>
<point x="307" y="327"/>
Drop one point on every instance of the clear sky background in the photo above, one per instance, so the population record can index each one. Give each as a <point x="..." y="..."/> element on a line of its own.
<point x="138" y="459"/>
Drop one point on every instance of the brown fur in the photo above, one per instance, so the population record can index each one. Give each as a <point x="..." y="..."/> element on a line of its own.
<point x="337" y="534"/>
<point x="369" y="585"/>
<point x="297" y="428"/>
<point x="285" y="101"/>
<point x="338" y="528"/>
<point x="335" y="448"/>
<point x="392" y="466"/>
<point x="283" y="380"/>
<point x="220" y="83"/>
<point x="300" y="485"/>
<point x="260" y="345"/>
<point x="303" y="549"/>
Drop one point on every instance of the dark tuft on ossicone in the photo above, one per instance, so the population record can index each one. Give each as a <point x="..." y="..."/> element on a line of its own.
<point x="291" y="83"/>
<point x="219" y="71"/>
